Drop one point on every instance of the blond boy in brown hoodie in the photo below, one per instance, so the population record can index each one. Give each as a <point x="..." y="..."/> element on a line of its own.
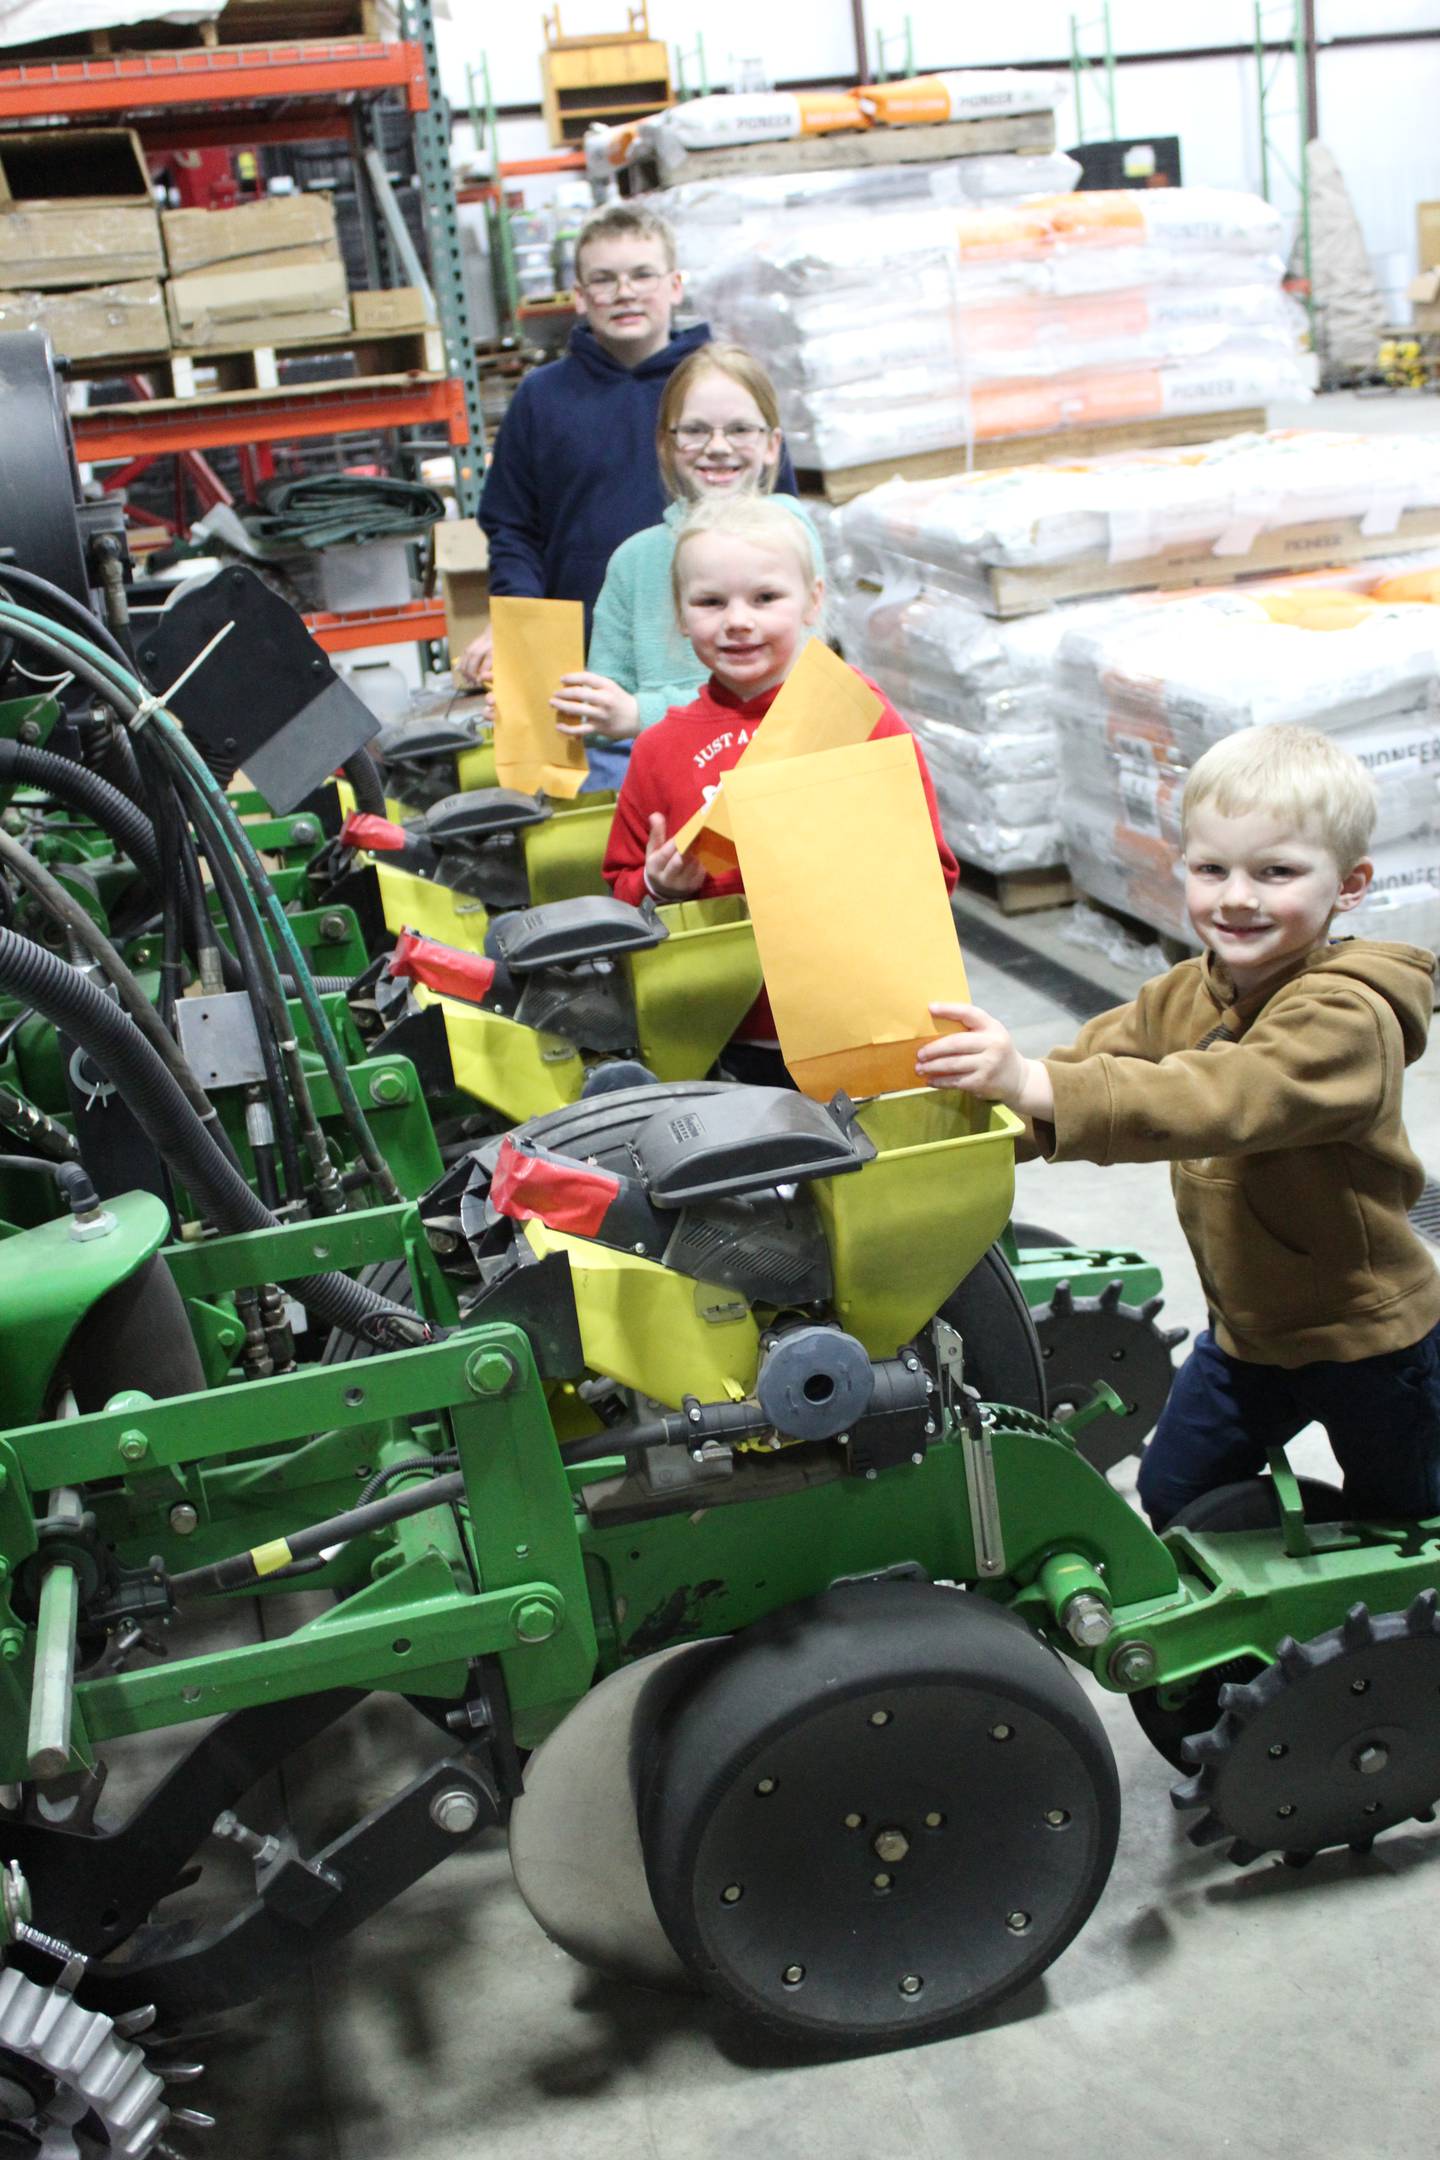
<point x="1268" y="1073"/>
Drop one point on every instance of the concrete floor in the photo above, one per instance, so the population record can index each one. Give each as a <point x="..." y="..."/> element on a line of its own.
<point x="1203" y="2010"/>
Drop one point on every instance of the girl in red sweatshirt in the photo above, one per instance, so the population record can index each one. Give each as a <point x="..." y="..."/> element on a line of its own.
<point x="747" y="598"/>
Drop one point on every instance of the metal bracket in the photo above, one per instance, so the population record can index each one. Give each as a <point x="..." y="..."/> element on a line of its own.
<point x="1292" y="1507"/>
<point x="984" y="1497"/>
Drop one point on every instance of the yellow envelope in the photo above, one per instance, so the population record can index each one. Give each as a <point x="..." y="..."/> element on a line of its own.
<point x="536" y="642"/>
<point x="822" y="705"/>
<point x="851" y="915"/>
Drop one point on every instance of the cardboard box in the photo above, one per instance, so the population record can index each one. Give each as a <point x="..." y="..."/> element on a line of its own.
<point x="462" y="564"/>
<point x="1427" y="234"/>
<point x="268" y="235"/>
<point x="124" y="321"/>
<point x="46" y="251"/>
<point x="229" y="311"/>
<point x="75" y="209"/>
<point x="65" y="168"/>
<point x="402" y="309"/>
<point x="1424" y="294"/>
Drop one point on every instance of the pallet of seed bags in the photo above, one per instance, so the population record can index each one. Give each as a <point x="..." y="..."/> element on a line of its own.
<point x="1140" y="697"/>
<point x="936" y="324"/>
<point x="1022" y="540"/>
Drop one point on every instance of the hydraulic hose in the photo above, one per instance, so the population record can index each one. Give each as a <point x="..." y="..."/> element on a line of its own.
<point x="80" y="789"/>
<point x="363" y="775"/>
<point x="154" y="1096"/>
<point x="91" y="938"/>
<point x="54" y="601"/>
<point x="99" y="671"/>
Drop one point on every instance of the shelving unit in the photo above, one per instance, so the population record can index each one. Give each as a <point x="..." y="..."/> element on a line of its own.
<point x="609" y="75"/>
<point x="295" y="90"/>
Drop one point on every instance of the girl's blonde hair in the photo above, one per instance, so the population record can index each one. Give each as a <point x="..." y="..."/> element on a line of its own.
<point x="742" y="368"/>
<point x="751" y="518"/>
<point x="1297" y="775"/>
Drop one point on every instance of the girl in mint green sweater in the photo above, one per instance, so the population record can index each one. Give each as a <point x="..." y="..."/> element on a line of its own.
<point x="718" y="435"/>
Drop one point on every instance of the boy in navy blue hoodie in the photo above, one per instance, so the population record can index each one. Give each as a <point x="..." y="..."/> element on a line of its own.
<point x="574" y="470"/>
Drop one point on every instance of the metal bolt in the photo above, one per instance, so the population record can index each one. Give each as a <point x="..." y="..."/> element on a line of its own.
<point x="388" y="1088"/>
<point x="766" y="1785"/>
<point x="732" y="1893"/>
<point x="303" y="833"/>
<point x="535" y="1621"/>
<point x="1057" y="1817"/>
<point x="1002" y="1732"/>
<point x="854" y="1822"/>
<point x="911" y="1984"/>
<point x="334" y="929"/>
<point x="134" y="1446"/>
<point x="934" y="1819"/>
<point x="455" y="1811"/>
<point x="1372" y="1807"/>
<point x="881" y="1881"/>
<point x="1017" y="1922"/>
<point x="793" y="1975"/>
<point x="871" y="1475"/>
<point x="918" y="1457"/>
<point x="1277" y="1749"/>
<point x="1132" y="1665"/>
<point x="879" y="1717"/>
<point x="1372" y="1757"/>
<point x="891" y="1845"/>
<point x="1284" y="1813"/>
<point x="1088" y="1620"/>
<point x="490" y="1372"/>
<point x="1359" y="1687"/>
<point x="12" y="1642"/>
<point x="184" y="1519"/>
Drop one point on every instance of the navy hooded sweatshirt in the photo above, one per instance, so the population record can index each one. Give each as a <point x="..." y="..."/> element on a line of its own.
<point x="574" y="470"/>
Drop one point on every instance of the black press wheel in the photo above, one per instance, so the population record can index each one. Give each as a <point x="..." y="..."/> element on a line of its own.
<point x="1169" y="1717"/>
<point x="1003" y="1360"/>
<point x="877" y="1813"/>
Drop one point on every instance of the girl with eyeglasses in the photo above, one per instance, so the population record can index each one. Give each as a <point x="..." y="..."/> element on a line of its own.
<point x="718" y="438"/>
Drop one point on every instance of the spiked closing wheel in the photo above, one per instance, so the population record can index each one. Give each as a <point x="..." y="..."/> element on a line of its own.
<point x="879" y="1812"/>
<point x="1336" y="1741"/>
<point x="1086" y="1339"/>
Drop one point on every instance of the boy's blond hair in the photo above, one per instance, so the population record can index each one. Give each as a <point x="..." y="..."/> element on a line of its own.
<point x="758" y="520"/>
<point x="742" y="368"/>
<point x="619" y="221"/>
<point x="1298" y="775"/>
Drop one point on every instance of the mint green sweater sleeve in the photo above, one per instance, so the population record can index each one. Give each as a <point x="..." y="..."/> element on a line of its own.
<point x="635" y="639"/>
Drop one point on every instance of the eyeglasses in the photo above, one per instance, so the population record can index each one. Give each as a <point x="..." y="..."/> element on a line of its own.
<point x="739" y="434"/>
<point x="604" y="284"/>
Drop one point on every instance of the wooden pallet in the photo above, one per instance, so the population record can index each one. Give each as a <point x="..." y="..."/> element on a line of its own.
<point x="845" y="482"/>
<point x="1029" y="133"/>
<point x="240" y="22"/>
<point x="1289" y="548"/>
<point x="202" y="373"/>
<point x="1017" y="892"/>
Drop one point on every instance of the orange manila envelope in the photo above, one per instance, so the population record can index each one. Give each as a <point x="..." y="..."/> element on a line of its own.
<point x="851" y="915"/>
<point x="822" y="704"/>
<point x="536" y="642"/>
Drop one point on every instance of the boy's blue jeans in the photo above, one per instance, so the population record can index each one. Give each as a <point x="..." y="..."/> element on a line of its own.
<point x="1381" y="1414"/>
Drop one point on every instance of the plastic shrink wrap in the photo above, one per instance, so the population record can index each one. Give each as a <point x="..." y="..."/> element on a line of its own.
<point x="939" y="319"/>
<point x="1139" y="698"/>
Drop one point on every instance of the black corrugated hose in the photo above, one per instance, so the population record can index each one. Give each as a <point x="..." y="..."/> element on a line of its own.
<point x="80" y="789"/>
<point x="52" y="987"/>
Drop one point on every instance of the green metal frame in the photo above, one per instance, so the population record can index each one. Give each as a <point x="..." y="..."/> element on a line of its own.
<point x="885" y="40"/>
<point x="1298" y="174"/>
<point x="442" y="230"/>
<point x="1081" y="66"/>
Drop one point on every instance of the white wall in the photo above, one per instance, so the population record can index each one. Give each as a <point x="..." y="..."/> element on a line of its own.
<point x="1377" y="103"/>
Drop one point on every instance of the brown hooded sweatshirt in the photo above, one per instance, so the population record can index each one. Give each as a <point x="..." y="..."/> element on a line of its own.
<point x="1280" y="1115"/>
